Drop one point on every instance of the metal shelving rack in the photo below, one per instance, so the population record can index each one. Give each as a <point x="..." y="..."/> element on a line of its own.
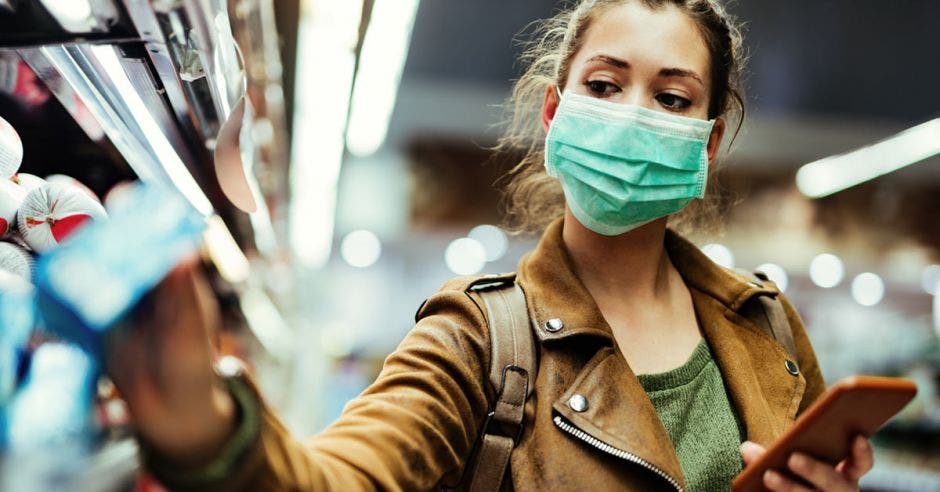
<point x="159" y="78"/>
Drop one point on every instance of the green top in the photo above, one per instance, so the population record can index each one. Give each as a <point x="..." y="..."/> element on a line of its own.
<point x="704" y="428"/>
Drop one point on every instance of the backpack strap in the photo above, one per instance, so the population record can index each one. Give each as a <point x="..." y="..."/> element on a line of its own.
<point x="770" y="316"/>
<point x="512" y="374"/>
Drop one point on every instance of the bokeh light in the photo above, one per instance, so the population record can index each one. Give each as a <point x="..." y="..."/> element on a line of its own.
<point x="776" y="273"/>
<point x="361" y="248"/>
<point x="868" y="289"/>
<point x="720" y="254"/>
<point x="493" y="239"/>
<point x="465" y="256"/>
<point x="826" y="270"/>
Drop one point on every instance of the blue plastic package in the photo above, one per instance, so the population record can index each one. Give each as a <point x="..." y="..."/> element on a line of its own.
<point x="54" y="404"/>
<point x="88" y="284"/>
<point x="17" y="320"/>
<point x="47" y="430"/>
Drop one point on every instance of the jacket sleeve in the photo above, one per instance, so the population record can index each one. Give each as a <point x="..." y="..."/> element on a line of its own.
<point x="412" y="429"/>
<point x="806" y="357"/>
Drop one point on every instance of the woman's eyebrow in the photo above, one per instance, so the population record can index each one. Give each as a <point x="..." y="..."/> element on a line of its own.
<point x="681" y="72"/>
<point x="666" y="72"/>
<point x="616" y="62"/>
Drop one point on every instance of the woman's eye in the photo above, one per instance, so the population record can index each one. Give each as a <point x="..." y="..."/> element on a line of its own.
<point x="672" y="101"/>
<point x="601" y="88"/>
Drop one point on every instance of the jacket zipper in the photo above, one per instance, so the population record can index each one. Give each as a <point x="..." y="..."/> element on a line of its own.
<point x="607" y="448"/>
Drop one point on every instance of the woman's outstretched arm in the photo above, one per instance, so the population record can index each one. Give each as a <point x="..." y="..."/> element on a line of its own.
<point x="411" y="429"/>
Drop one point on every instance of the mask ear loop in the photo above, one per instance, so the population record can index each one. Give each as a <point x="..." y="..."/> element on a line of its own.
<point x="558" y="91"/>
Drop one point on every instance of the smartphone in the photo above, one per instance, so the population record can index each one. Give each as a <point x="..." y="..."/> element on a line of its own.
<point x="854" y="405"/>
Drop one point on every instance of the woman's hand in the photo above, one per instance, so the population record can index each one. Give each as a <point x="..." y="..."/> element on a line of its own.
<point x="161" y="362"/>
<point x="823" y="476"/>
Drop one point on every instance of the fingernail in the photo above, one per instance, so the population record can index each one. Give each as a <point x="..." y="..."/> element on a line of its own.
<point x="771" y="478"/>
<point x="797" y="460"/>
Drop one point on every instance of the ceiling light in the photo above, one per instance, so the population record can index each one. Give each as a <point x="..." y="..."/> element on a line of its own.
<point x="381" y="61"/>
<point x="832" y="174"/>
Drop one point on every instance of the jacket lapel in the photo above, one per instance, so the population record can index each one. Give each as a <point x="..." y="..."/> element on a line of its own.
<point x="619" y="413"/>
<point x="765" y="395"/>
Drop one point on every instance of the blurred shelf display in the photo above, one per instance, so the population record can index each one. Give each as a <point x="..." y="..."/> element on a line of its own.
<point x="156" y="80"/>
<point x="112" y="91"/>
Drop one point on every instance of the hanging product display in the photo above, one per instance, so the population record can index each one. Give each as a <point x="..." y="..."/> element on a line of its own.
<point x="52" y="212"/>
<point x="89" y="283"/>
<point x="11" y="150"/>
<point x="17" y="317"/>
<point x="11" y="197"/>
<point x="15" y="260"/>
<point x="29" y="182"/>
<point x="66" y="180"/>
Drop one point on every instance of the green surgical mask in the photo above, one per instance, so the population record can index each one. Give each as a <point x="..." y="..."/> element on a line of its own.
<point x="622" y="166"/>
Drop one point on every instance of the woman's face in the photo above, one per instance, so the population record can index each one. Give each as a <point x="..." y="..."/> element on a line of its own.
<point x="631" y="54"/>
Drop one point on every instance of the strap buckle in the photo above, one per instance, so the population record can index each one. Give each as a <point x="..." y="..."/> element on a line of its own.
<point x="506" y="427"/>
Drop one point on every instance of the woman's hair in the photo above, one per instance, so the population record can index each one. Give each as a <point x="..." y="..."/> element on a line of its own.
<point x="531" y="198"/>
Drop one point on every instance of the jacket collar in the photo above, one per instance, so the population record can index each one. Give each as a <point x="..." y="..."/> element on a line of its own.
<point x="766" y="397"/>
<point x="556" y="292"/>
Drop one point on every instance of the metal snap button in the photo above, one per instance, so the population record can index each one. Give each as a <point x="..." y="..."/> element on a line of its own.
<point x="554" y="325"/>
<point x="792" y="367"/>
<point x="578" y="403"/>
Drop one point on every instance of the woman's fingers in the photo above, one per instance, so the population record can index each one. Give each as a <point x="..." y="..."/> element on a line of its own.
<point x="750" y="451"/>
<point x="860" y="462"/>
<point x="774" y="480"/>
<point x="820" y="474"/>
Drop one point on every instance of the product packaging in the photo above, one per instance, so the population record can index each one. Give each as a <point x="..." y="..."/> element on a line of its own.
<point x="91" y="282"/>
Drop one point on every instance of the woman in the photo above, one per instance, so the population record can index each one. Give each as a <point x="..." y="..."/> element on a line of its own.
<point x="648" y="375"/>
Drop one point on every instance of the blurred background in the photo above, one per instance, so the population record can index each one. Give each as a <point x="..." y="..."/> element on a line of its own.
<point x="366" y="149"/>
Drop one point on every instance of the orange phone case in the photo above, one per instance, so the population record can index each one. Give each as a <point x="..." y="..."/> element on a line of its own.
<point x="854" y="405"/>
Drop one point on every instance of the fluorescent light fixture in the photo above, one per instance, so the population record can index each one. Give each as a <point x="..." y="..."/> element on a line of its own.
<point x="169" y="159"/>
<point x="265" y="321"/>
<point x="381" y="61"/>
<point x="930" y="280"/>
<point x="327" y="38"/>
<point x="833" y="174"/>
<point x="73" y="15"/>
<point x="228" y="258"/>
<point x="936" y="314"/>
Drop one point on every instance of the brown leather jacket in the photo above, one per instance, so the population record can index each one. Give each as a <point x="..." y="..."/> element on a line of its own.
<point x="414" y="428"/>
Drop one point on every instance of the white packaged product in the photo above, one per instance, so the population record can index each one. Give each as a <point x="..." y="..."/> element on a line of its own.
<point x="16" y="260"/>
<point x="11" y="150"/>
<point x="67" y="180"/>
<point x="51" y="213"/>
<point x="11" y="197"/>
<point x="29" y="182"/>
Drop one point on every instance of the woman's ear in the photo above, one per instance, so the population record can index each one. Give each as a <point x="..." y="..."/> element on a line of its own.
<point x="549" y="105"/>
<point x="714" y="140"/>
